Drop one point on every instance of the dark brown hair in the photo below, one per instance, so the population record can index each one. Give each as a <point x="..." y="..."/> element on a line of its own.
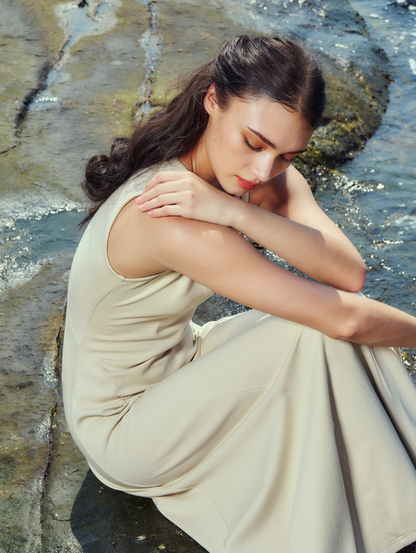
<point x="244" y="68"/>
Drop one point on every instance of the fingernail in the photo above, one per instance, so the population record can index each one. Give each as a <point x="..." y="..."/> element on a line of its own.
<point x="150" y="212"/>
<point x="141" y="207"/>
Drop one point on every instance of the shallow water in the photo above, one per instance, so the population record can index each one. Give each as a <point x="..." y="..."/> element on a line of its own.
<point x="28" y="243"/>
<point x="374" y="197"/>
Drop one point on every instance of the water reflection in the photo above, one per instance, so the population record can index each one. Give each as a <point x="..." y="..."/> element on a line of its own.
<point x="374" y="197"/>
<point x="27" y="244"/>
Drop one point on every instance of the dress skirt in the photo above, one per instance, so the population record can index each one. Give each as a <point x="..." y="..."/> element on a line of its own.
<point x="275" y="439"/>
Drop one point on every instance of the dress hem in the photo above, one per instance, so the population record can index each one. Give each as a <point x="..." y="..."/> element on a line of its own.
<point x="398" y="544"/>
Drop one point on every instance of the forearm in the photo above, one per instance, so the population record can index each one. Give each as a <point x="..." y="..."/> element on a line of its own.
<point x="321" y="256"/>
<point x="340" y="314"/>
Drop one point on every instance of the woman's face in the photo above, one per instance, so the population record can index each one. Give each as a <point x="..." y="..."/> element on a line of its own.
<point x="250" y="143"/>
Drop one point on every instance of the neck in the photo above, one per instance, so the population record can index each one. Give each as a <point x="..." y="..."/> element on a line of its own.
<point x="198" y="162"/>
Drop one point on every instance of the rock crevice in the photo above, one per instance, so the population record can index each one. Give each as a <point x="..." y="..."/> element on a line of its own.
<point x="151" y="43"/>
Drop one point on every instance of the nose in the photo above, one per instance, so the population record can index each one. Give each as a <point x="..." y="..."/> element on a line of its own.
<point x="263" y="167"/>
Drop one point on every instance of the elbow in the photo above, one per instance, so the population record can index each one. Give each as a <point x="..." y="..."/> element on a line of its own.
<point x="350" y="321"/>
<point x="349" y="333"/>
<point x="356" y="280"/>
<point x="348" y="329"/>
<point x="361" y="276"/>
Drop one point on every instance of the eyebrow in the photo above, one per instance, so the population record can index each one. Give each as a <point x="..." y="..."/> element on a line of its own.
<point x="267" y="141"/>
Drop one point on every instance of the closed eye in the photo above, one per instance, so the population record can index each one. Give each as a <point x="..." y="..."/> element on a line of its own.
<point x="259" y="149"/>
<point x="251" y="146"/>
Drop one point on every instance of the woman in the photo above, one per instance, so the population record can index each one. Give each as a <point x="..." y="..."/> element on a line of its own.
<point x="273" y="430"/>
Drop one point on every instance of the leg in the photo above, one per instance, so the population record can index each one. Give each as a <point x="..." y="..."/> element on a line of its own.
<point x="277" y="437"/>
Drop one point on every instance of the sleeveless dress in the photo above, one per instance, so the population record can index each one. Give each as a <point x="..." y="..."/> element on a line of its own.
<point x="252" y="433"/>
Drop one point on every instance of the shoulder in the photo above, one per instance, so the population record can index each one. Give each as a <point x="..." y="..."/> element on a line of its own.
<point x="140" y="245"/>
<point x="281" y="194"/>
<point x="142" y="176"/>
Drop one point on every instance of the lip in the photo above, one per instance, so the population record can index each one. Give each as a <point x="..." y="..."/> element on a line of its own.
<point x="246" y="184"/>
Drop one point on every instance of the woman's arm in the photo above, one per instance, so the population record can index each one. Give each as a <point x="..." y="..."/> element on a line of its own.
<point x="224" y="261"/>
<point x="286" y="221"/>
<point x="294" y="227"/>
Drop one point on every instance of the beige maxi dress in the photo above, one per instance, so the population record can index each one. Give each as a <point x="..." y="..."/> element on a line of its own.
<point x="253" y="433"/>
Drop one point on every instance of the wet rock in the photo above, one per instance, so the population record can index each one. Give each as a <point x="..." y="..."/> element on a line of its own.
<point x="192" y="35"/>
<point x="27" y="49"/>
<point x="30" y="322"/>
<point x="215" y="308"/>
<point x="93" y="96"/>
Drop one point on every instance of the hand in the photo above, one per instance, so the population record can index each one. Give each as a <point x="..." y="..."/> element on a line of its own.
<point x="184" y="194"/>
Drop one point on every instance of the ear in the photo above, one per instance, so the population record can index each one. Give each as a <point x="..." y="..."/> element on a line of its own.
<point x="210" y="100"/>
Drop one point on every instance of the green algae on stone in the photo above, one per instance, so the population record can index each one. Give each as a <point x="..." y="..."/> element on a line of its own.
<point x="24" y="53"/>
<point x="40" y="17"/>
<point x="354" y="110"/>
<point x="103" y="74"/>
<point x="67" y="471"/>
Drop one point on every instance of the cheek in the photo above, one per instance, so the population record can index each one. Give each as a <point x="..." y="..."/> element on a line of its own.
<point x="279" y="167"/>
<point x="227" y="146"/>
<point x="235" y="147"/>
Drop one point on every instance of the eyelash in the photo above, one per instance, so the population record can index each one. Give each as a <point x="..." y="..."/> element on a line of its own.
<point x="259" y="149"/>
<point x="250" y="146"/>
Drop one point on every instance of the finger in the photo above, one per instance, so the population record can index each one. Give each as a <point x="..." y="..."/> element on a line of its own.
<point x="157" y="191"/>
<point x="165" y="176"/>
<point x="171" y="198"/>
<point x="160" y="189"/>
<point x="166" y="211"/>
<point x="162" y="200"/>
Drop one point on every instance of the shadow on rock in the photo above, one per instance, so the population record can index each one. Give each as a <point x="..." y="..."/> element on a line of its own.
<point x="104" y="520"/>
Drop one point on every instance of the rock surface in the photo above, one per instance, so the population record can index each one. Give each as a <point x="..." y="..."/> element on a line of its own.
<point x="30" y="323"/>
<point x="68" y="86"/>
